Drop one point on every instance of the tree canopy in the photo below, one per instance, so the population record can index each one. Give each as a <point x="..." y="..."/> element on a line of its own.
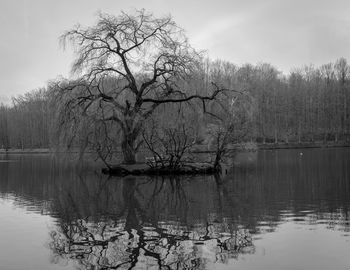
<point x="126" y="66"/>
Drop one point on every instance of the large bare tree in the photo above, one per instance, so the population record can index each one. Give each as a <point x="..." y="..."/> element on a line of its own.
<point x="125" y="67"/>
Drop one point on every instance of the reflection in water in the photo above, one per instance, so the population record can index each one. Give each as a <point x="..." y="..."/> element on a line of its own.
<point x="180" y="223"/>
<point x="134" y="236"/>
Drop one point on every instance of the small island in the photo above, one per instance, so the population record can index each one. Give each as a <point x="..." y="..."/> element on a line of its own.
<point x="145" y="169"/>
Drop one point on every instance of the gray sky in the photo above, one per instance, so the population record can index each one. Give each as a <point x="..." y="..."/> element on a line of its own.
<point x="285" y="33"/>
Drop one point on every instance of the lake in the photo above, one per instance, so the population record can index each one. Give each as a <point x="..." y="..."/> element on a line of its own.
<point x="275" y="209"/>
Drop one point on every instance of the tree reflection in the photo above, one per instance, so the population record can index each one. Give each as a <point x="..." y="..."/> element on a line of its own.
<point x="134" y="234"/>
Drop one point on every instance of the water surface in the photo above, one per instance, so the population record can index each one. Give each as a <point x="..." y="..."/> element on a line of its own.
<point x="282" y="209"/>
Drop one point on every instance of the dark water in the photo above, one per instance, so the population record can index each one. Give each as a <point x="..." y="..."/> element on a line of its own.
<point x="284" y="209"/>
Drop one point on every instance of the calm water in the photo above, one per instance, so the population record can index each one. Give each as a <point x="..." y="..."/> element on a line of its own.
<point x="284" y="209"/>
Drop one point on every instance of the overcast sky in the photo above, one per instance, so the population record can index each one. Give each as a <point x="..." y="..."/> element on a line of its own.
<point x="285" y="33"/>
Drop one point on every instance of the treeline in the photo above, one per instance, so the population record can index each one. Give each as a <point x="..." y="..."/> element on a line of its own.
<point x="26" y="123"/>
<point x="310" y="104"/>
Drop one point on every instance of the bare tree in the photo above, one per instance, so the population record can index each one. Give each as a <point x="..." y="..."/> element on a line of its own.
<point x="4" y="140"/>
<point x="169" y="145"/>
<point x="230" y="127"/>
<point x="342" y="71"/>
<point x="127" y="66"/>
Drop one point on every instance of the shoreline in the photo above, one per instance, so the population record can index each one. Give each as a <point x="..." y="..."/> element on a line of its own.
<point x="273" y="146"/>
<point x="35" y="151"/>
<point x="27" y="151"/>
<point x="260" y="146"/>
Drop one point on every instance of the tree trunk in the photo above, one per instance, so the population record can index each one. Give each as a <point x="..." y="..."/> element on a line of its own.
<point x="217" y="165"/>
<point x="128" y="150"/>
<point x="130" y="134"/>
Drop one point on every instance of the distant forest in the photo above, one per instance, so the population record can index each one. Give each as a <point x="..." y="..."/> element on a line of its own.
<point x="310" y="104"/>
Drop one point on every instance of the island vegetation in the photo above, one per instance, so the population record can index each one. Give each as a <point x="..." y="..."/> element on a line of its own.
<point x="141" y="96"/>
